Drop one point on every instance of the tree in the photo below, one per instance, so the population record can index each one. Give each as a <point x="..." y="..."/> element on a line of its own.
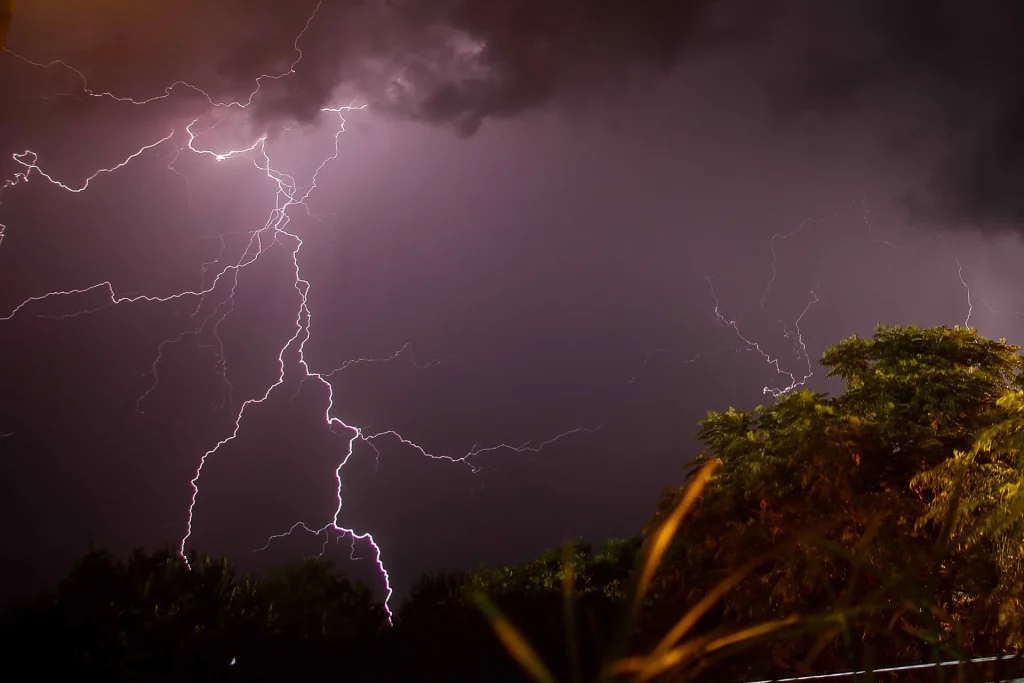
<point x="441" y="627"/>
<point x="980" y="492"/>
<point x="153" y="617"/>
<point x="822" y="488"/>
<point x="150" y="616"/>
<point x="317" y="621"/>
<point x="310" y="601"/>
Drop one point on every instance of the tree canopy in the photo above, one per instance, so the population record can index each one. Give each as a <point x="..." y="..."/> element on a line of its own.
<point x="848" y="496"/>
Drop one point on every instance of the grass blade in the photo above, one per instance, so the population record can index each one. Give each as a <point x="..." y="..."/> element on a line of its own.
<point x="514" y="642"/>
<point x="666" y="532"/>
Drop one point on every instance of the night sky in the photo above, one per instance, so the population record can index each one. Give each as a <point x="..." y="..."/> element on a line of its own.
<point x="523" y="229"/>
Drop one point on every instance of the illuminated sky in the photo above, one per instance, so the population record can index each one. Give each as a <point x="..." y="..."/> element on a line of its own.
<point x="534" y="196"/>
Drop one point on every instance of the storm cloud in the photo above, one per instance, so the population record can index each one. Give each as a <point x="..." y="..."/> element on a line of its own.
<point x="441" y="61"/>
<point x="942" y="80"/>
<point x="946" y="76"/>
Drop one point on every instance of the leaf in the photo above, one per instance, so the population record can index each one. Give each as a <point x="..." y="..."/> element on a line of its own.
<point x="664" y="535"/>
<point x="514" y="642"/>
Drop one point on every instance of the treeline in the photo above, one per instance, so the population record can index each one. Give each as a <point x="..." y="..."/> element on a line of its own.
<point x="152" y="618"/>
<point x="878" y="528"/>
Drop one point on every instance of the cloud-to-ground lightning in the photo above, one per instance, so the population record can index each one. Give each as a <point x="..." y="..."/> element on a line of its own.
<point x="794" y="379"/>
<point x="793" y="382"/>
<point x="795" y="333"/>
<point x="970" y="305"/>
<point x="214" y="298"/>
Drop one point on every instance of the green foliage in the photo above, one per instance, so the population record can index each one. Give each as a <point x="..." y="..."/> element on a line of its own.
<point x="980" y="493"/>
<point x="606" y="572"/>
<point x="311" y="601"/>
<point x="442" y="609"/>
<point x="932" y="389"/>
<point x="675" y="653"/>
<point x="825" y="486"/>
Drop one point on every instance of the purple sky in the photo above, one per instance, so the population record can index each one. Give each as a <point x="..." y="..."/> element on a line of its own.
<point x="535" y="195"/>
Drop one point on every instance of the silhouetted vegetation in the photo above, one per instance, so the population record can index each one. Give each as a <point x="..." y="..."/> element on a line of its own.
<point x="880" y="527"/>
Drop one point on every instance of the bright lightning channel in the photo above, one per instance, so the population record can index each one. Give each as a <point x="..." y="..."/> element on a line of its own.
<point x="794" y="383"/>
<point x="800" y="348"/>
<point x="275" y="231"/>
<point x="970" y="305"/>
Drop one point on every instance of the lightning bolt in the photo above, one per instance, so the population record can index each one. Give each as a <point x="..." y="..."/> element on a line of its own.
<point x="792" y="330"/>
<point x="222" y="286"/>
<point x="794" y="383"/>
<point x="799" y="346"/>
<point x="970" y="305"/>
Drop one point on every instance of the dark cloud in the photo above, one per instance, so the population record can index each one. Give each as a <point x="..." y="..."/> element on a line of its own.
<point x="941" y="79"/>
<point x="440" y="61"/>
<point x="949" y="72"/>
<point x="458" y="63"/>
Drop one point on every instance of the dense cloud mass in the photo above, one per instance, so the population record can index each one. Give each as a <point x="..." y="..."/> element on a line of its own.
<point x="942" y="75"/>
<point x="440" y="61"/>
<point x="955" y="69"/>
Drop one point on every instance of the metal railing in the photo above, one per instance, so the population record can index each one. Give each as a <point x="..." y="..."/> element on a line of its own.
<point x="905" y="667"/>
